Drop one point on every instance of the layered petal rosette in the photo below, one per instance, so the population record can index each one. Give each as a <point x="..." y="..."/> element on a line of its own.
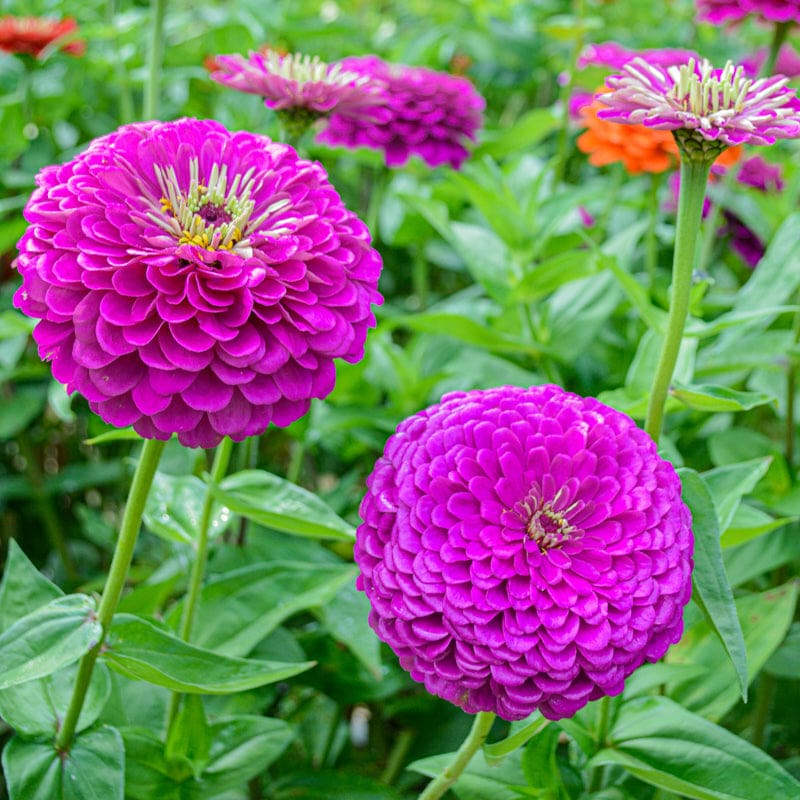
<point x="195" y="281"/>
<point x="715" y="105"/>
<point x="425" y="113"/>
<point x="524" y="549"/>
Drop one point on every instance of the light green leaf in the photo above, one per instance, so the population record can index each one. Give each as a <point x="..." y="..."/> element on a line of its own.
<point x="749" y="523"/>
<point x="93" y="769"/>
<point x="520" y="733"/>
<point x="663" y="744"/>
<point x="705" y="397"/>
<point x="139" y="649"/>
<point x="175" y="505"/>
<point x="189" y="738"/>
<point x="785" y="661"/>
<point x="23" y="588"/>
<point x="48" y="639"/>
<point x="281" y="505"/>
<point x="727" y="485"/>
<point x="711" y="588"/>
<point x="36" y="708"/>
<point x="240" y="608"/>
<point x="765" y="619"/>
<point x="524" y="133"/>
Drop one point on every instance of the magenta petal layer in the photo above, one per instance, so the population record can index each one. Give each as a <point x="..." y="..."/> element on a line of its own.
<point x="195" y="281"/>
<point x="524" y="549"/>
<point x="717" y="11"/>
<point x="425" y="113"/>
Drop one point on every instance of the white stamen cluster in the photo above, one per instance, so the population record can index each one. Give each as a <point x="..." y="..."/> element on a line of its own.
<point x="181" y="212"/>
<point x="310" y="69"/>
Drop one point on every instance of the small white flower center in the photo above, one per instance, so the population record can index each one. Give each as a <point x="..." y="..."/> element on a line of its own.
<point x="705" y="94"/>
<point x="210" y="214"/>
<point x="310" y="69"/>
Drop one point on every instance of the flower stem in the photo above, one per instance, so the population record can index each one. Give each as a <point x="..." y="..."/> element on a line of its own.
<point x="779" y="34"/>
<point x="603" y="720"/>
<point x="579" y="11"/>
<point x="694" y="176"/>
<point x="791" y="388"/>
<point x="651" y="262"/>
<point x="123" y="554"/>
<point x="480" y="730"/>
<point x="150" y="108"/>
<point x="222" y="458"/>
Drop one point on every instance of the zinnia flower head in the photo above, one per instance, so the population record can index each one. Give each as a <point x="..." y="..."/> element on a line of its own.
<point x="426" y="113"/>
<point x="718" y="11"/>
<point x="299" y="85"/>
<point x="32" y="35"/>
<point x="524" y="549"/>
<point x="195" y="281"/>
<point x="709" y="109"/>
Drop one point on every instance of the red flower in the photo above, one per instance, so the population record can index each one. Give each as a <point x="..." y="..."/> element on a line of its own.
<point x="32" y="35"/>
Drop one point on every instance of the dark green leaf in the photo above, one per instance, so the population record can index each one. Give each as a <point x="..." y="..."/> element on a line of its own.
<point x="92" y="770"/>
<point x="785" y="661"/>
<point x="189" y="740"/>
<point x="338" y="785"/>
<point x="48" y="639"/>
<point x="18" y="411"/>
<point x="710" y="582"/>
<point x="141" y="650"/>
<point x="279" y="504"/>
<point x="521" y="732"/>
<point x="23" y="588"/>
<point x="666" y="746"/>
<point x="239" y="608"/>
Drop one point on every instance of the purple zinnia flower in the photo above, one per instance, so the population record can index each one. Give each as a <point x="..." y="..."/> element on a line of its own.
<point x="717" y="11"/>
<point x="524" y="549"/>
<point x="195" y="281"/>
<point x="296" y="81"/>
<point x="761" y="175"/>
<point x="703" y="104"/>
<point x="426" y="113"/>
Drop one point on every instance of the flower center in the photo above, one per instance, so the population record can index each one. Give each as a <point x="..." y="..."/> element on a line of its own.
<point x="211" y="214"/>
<point x="707" y="94"/>
<point x="307" y="69"/>
<point x="548" y="528"/>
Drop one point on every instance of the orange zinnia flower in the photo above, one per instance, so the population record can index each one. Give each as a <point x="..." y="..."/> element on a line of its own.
<point x="32" y="35"/>
<point x="639" y="149"/>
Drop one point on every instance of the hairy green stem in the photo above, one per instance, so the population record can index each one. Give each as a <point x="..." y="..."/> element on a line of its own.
<point x="694" y="175"/>
<point x="117" y="574"/>
<point x="397" y="757"/>
<point x="476" y="737"/>
<point x="764" y="698"/>
<point x="151" y="89"/>
<point x="222" y="458"/>
<point x="651" y="258"/>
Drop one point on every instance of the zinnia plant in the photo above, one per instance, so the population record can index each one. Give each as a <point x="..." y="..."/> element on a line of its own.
<point x="194" y="281"/>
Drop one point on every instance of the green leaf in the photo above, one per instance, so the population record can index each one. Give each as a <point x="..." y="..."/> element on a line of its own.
<point x="93" y="769"/>
<point x="520" y="733"/>
<point x="23" y="588"/>
<point x="19" y="410"/>
<point x="36" y="708"/>
<point x="175" y="505"/>
<point x="281" y="505"/>
<point x="524" y="133"/>
<point x="141" y="650"/>
<point x="330" y="785"/>
<point x="705" y="397"/>
<point x="147" y="775"/>
<point x="727" y="485"/>
<point x="539" y="762"/>
<point x="189" y="740"/>
<point x="544" y="278"/>
<point x="666" y="746"/>
<point x="240" y="608"/>
<point x="749" y="523"/>
<point x="47" y="639"/>
<point x="241" y="748"/>
<point x="479" y="780"/>
<point x="765" y="619"/>
<point x="711" y="588"/>
<point x="785" y="661"/>
<point x="751" y="559"/>
<point x="346" y="619"/>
